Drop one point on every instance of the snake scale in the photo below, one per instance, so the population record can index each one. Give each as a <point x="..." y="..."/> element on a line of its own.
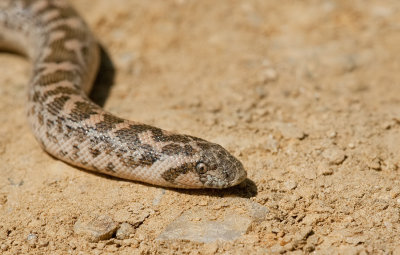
<point x="65" y="59"/>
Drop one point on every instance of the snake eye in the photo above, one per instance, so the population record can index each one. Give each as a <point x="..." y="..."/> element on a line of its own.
<point x="201" y="168"/>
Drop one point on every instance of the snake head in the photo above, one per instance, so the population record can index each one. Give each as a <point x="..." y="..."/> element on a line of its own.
<point x="211" y="167"/>
<point x="217" y="168"/>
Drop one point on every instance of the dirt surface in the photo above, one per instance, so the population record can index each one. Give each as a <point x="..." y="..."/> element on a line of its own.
<point x="305" y="93"/>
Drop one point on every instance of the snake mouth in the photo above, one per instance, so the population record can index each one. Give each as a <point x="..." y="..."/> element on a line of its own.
<point x="242" y="175"/>
<point x="214" y="182"/>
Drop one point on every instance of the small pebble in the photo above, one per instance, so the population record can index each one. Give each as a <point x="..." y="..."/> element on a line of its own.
<point x="4" y="247"/>
<point x="269" y="74"/>
<point x="101" y="246"/>
<point x="214" y="108"/>
<point x="310" y="174"/>
<point x="290" y="131"/>
<point x="396" y="250"/>
<point x="43" y="243"/>
<point x="334" y="155"/>
<point x="388" y="125"/>
<point x="277" y="249"/>
<point x="290" y="185"/>
<point x="351" y="145"/>
<point x="203" y="202"/>
<point x="3" y="199"/>
<point x="375" y="164"/>
<point x="261" y="112"/>
<point x="332" y="134"/>
<point x="355" y="240"/>
<point x="99" y="228"/>
<point x="261" y="92"/>
<point x="304" y="233"/>
<point x="158" y="198"/>
<point x="124" y="231"/>
<point x="210" y="248"/>
<point x="135" y="214"/>
<point x="395" y="192"/>
<point x="349" y="64"/>
<point x="73" y="245"/>
<point x="271" y="144"/>
<point x="247" y="118"/>
<point x="32" y="237"/>
<point x="325" y="169"/>
<point x="311" y="218"/>
<point x="257" y="211"/>
<point x="197" y="226"/>
<point x="230" y="123"/>
<point x="112" y="248"/>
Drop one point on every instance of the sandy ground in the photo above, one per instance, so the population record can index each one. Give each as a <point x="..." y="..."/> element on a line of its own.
<point x="305" y="93"/>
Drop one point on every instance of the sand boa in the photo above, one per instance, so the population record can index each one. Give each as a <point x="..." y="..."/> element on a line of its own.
<point x="69" y="126"/>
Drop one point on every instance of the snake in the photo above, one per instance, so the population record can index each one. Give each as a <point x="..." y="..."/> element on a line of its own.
<point x="65" y="58"/>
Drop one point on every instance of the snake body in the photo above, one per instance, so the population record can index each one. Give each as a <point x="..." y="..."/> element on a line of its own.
<point x="65" y="58"/>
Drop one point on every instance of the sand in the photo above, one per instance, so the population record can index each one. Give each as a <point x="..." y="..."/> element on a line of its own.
<point x="305" y="93"/>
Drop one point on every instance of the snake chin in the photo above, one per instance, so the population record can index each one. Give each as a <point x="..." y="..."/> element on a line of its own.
<point x="226" y="175"/>
<point x="216" y="181"/>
